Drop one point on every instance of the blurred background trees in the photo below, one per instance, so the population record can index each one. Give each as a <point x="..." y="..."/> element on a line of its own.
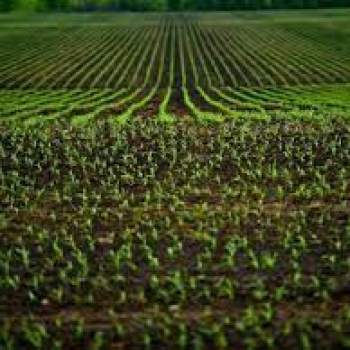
<point x="163" y="5"/>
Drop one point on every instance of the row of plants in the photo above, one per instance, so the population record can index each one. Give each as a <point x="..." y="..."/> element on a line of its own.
<point x="117" y="55"/>
<point x="84" y="106"/>
<point x="182" y="234"/>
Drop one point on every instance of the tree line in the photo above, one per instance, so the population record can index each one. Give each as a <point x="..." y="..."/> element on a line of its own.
<point x="164" y="5"/>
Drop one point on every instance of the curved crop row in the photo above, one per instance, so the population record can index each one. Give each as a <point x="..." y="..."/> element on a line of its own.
<point x="181" y="62"/>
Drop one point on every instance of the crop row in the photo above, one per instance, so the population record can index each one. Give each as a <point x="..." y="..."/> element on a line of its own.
<point x="119" y="56"/>
<point x="83" y="106"/>
<point x="177" y="235"/>
<point x="174" y="66"/>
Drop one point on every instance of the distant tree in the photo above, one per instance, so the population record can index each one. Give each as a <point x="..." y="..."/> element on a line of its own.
<point x="266" y="4"/>
<point x="294" y="4"/>
<point x="278" y="4"/>
<point x="311" y="4"/>
<point x="30" y="5"/>
<point x="163" y="5"/>
<point x="6" y="5"/>
<point x="109" y="4"/>
<point x="56" y="5"/>
<point x="174" y="5"/>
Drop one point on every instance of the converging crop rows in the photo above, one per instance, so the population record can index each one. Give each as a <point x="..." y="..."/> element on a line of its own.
<point x="175" y="181"/>
<point x="169" y="65"/>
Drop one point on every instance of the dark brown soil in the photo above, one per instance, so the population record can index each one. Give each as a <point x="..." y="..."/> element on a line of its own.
<point x="201" y="103"/>
<point x="176" y="105"/>
<point x="152" y="108"/>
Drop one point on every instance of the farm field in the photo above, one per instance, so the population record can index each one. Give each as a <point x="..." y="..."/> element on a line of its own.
<point x="207" y="66"/>
<point x="175" y="181"/>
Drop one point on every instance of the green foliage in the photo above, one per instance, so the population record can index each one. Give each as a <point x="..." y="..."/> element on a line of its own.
<point x="183" y="208"/>
<point x="179" y="233"/>
<point x="163" y="5"/>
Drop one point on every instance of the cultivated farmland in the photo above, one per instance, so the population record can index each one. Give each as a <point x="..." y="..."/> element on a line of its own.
<point x="166" y="65"/>
<point x="175" y="181"/>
